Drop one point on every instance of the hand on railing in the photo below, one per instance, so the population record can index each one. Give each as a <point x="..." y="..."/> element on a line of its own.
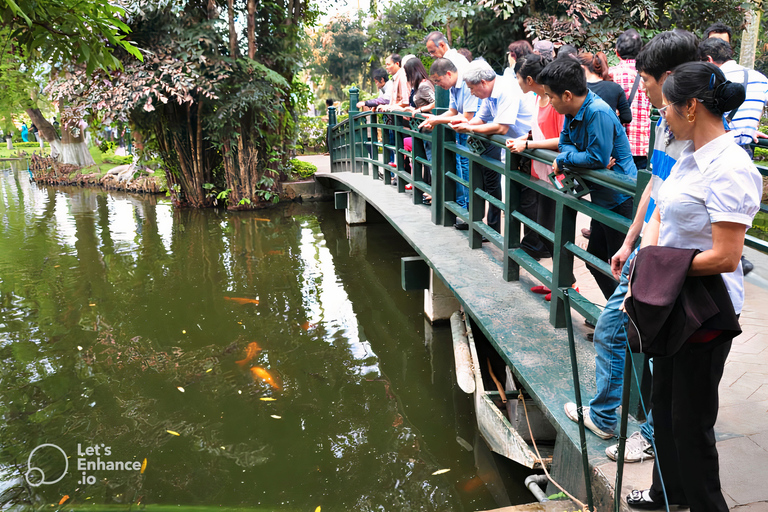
<point x="518" y="145"/>
<point x="461" y="126"/>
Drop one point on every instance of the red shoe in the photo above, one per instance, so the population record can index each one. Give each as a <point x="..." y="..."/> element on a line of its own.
<point x="393" y="164"/>
<point x="548" y="297"/>
<point x="541" y="289"/>
<point x="408" y="186"/>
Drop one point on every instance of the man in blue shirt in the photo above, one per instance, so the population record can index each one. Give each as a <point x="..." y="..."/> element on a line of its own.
<point x="592" y="138"/>
<point x="504" y="110"/>
<point x="462" y="107"/>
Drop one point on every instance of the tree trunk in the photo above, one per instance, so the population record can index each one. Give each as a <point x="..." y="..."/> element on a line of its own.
<point x="750" y="35"/>
<point x="232" y="32"/>
<point x="74" y="150"/>
<point x="251" y="29"/>
<point x="46" y="131"/>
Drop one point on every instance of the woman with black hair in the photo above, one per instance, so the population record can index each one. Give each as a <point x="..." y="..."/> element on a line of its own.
<point x="600" y="82"/>
<point x="707" y="203"/>
<point x="421" y="100"/>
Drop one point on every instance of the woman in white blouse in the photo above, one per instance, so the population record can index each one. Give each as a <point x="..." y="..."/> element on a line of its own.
<point x="707" y="203"/>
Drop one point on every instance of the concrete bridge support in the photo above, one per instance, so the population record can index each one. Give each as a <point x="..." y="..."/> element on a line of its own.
<point x="439" y="300"/>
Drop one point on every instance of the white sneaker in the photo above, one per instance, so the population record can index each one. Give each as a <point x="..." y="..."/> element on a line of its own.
<point x="637" y="449"/>
<point x="571" y="412"/>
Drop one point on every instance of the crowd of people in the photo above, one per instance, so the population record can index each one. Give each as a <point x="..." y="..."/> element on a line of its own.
<point x="703" y="194"/>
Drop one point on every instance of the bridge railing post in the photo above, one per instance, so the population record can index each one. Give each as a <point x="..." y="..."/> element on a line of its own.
<point x="329" y="135"/>
<point x="354" y="149"/>
<point x="439" y="158"/>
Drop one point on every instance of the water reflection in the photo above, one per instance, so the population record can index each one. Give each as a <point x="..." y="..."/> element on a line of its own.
<point x="115" y="332"/>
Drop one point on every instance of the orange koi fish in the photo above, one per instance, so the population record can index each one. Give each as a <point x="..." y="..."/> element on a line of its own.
<point x="307" y="326"/>
<point x="257" y="219"/>
<point x="260" y="373"/>
<point x="251" y="350"/>
<point x="63" y="499"/>
<point x="275" y="253"/>
<point x="242" y="300"/>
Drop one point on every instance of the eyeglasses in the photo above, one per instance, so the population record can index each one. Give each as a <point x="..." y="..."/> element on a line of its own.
<point x="663" y="111"/>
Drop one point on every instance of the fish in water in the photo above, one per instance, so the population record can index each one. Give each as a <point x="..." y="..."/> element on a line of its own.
<point x="262" y="374"/>
<point x="251" y="350"/>
<point x="307" y="326"/>
<point x="242" y="300"/>
<point x="275" y="253"/>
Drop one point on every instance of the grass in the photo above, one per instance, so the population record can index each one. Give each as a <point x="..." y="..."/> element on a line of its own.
<point x="6" y="153"/>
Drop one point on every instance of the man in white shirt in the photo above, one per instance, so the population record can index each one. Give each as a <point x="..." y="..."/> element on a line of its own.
<point x="438" y="48"/>
<point x="503" y="110"/>
<point x="744" y="120"/>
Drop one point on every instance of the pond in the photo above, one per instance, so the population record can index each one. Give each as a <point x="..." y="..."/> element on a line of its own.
<point x="202" y="359"/>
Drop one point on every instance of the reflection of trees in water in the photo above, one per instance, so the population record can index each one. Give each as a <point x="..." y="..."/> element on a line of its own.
<point x="149" y="320"/>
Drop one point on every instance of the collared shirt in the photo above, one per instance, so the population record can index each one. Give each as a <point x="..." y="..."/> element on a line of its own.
<point x="461" y="100"/>
<point x="666" y="152"/>
<point x="507" y="105"/>
<point x="458" y="59"/>
<point x="639" y="130"/>
<point x="747" y="117"/>
<point x="589" y="140"/>
<point x="400" y="90"/>
<point x="717" y="183"/>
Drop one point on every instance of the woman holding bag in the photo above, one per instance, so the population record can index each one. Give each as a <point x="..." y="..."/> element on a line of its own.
<point x="707" y="203"/>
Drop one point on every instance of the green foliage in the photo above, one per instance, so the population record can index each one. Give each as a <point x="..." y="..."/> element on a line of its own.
<point x="340" y="54"/>
<point x="61" y="31"/>
<point x="302" y="168"/>
<point x="311" y="133"/>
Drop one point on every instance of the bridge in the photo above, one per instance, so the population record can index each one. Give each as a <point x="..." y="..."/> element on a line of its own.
<point x="491" y="282"/>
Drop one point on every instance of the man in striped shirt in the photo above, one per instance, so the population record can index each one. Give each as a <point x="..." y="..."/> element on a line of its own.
<point x="639" y="130"/>
<point x="744" y="120"/>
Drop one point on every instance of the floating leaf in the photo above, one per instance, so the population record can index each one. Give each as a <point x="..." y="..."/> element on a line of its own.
<point x="143" y="466"/>
<point x="441" y="471"/>
<point x="180" y="388"/>
<point x="267" y="399"/>
<point x="276" y="416"/>
<point x="173" y="432"/>
<point x="317" y="509"/>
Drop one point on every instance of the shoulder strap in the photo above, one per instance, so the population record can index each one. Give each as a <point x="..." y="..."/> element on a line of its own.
<point x="745" y="83"/>
<point x="634" y="89"/>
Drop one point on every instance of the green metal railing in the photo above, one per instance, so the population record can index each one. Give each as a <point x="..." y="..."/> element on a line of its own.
<point x="355" y="147"/>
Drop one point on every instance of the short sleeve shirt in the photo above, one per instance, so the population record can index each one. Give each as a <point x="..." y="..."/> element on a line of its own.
<point x="717" y="183"/>
<point x="461" y="100"/>
<point x="507" y="105"/>
<point x="747" y="117"/>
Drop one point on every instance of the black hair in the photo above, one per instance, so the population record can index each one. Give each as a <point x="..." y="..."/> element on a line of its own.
<point x="666" y="51"/>
<point x="415" y="72"/>
<point x="704" y="82"/>
<point x="466" y="53"/>
<point x="628" y="44"/>
<point x="520" y="49"/>
<point x="567" y="50"/>
<point x="719" y="50"/>
<point x="380" y="74"/>
<point x="718" y="28"/>
<point x="531" y="65"/>
<point x="328" y="103"/>
<point x="396" y="59"/>
<point x="564" y="75"/>
<point x="441" y="67"/>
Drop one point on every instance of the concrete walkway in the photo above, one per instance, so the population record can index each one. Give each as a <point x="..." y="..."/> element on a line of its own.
<point x="742" y="426"/>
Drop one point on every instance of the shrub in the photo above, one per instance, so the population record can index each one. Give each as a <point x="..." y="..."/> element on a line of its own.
<point x="311" y="134"/>
<point x="303" y="169"/>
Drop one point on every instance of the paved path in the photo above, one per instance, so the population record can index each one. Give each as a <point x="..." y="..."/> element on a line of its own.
<point x="742" y="426"/>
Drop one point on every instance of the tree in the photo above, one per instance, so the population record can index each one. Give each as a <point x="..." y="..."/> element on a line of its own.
<point x="61" y="31"/>
<point x="340" y="54"/>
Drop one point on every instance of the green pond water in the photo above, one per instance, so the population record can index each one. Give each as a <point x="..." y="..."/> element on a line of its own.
<point x="130" y="330"/>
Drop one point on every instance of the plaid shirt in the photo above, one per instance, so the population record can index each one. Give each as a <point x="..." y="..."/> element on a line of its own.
<point x="639" y="130"/>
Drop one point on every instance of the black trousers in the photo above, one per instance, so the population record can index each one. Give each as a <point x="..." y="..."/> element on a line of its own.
<point x="603" y="243"/>
<point x="685" y="404"/>
<point x="492" y="185"/>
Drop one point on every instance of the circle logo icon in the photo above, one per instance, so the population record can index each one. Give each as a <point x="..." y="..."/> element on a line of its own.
<point x="34" y="470"/>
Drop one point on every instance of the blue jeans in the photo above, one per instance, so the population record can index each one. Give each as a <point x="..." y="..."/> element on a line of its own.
<point x="610" y="350"/>
<point x="462" y="170"/>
